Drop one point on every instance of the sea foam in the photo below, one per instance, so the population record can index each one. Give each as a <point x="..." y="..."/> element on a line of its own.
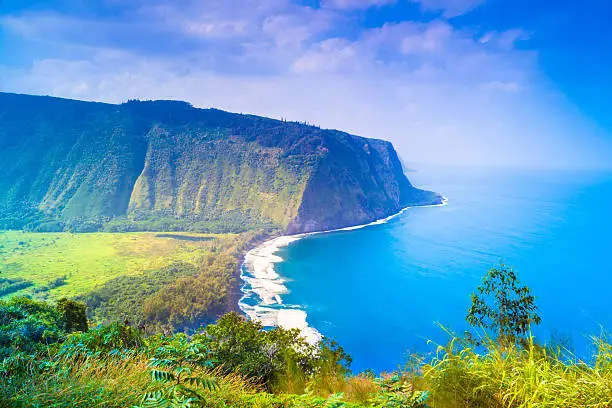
<point x="263" y="287"/>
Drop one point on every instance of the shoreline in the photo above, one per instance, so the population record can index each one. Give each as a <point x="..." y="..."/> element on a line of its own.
<point x="262" y="287"/>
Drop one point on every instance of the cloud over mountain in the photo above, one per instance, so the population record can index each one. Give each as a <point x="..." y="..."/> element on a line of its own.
<point x="421" y="81"/>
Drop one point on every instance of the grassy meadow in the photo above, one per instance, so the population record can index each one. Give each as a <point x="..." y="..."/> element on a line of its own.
<point x="71" y="265"/>
<point x="161" y="280"/>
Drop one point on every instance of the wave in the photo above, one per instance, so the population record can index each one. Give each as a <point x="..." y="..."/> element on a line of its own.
<point x="263" y="287"/>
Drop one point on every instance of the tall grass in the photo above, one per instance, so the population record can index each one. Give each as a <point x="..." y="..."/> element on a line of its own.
<point x="116" y="382"/>
<point x="112" y="366"/>
<point x="518" y="376"/>
<point x="460" y="375"/>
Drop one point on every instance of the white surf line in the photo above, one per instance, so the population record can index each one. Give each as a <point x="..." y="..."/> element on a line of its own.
<point x="263" y="286"/>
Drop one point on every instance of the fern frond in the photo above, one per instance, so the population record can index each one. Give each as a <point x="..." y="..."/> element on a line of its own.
<point x="209" y="383"/>
<point x="162" y="376"/>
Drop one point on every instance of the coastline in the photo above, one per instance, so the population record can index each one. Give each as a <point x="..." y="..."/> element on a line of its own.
<point x="262" y="287"/>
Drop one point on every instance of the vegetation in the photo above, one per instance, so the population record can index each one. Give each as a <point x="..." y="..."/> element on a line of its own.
<point x="159" y="281"/>
<point x="73" y="315"/>
<point x="503" y="306"/>
<point x="47" y="360"/>
<point x="84" y="262"/>
<point x="518" y="376"/>
<point x="26" y="326"/>
<point x="116" y="173"/>
<point x="120" y="316"/>
<point x="190" y="299"/>
<point x="233" y="363"/>
<point x="167" y="166"/>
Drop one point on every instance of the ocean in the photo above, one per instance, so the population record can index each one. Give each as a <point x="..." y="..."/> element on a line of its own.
<point x="384" y="290"/>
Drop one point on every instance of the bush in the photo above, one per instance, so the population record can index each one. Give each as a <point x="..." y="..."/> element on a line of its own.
<point x="27" y="325"/>
<point x="73" y="315"/>
<point x="518" y="376"/>
<point x="270" y="356"/>
<point x="115" y="339"/>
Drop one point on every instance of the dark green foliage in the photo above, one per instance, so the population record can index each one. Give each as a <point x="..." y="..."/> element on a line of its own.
<point x="241" y="346"/>
<point x="27" y="325"/>
<point x="180" y="367"/>
<point x="73" y="315"/>
<point x="171" y="365"/>
<point x="399" y="392"/>
<point x="226" y="222"/>
<point x="177" y="297"/>
<point x="57" y="282"/>
<point x="189" y="301"/>
<point x="8" y="286"/>
<point x="41" y="292"/>
<point x="178" y="350"/>
<point x="125" y="296"/>
<point x="115" y="339"/>
<point x="503" y="306"/>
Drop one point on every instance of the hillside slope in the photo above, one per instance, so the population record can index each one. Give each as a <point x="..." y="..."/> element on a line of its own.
<point x="164" y="165"/>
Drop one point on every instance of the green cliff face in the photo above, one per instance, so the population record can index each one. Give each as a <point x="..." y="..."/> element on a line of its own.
<point x="165" y="165"/>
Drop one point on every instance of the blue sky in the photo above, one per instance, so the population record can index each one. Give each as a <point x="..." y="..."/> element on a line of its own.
<point x="485" y="82"/>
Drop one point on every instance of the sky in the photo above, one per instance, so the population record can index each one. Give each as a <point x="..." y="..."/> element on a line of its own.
<point x="449" y="82"/>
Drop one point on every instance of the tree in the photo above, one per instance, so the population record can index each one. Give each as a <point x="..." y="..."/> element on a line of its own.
<point x="73" y="315"/>
<point x="503" y="306"/>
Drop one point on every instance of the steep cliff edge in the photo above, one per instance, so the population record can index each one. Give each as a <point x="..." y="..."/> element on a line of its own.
<point x="359" y="181"/>
<point x="164" y="165"/>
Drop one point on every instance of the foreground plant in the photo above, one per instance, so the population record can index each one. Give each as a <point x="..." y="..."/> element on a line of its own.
<point x="173" y="375"/>
<point x="397" y="392"/>
<point x="518" y="375"/>
<point x="235" y="363"/>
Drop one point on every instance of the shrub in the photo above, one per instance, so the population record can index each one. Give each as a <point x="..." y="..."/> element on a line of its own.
<point x="116" y="339"/>
<point x="73" y="315"/>
<point x="27" y="325"/>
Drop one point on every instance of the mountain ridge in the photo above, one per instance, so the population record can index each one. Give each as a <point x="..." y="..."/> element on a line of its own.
<point x="165" y="165"/>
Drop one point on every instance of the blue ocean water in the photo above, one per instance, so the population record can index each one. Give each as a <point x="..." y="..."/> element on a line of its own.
<point x="379" y="291"/>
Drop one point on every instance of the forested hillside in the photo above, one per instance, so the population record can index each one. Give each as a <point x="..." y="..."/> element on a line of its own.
<point x="165" y="166"/>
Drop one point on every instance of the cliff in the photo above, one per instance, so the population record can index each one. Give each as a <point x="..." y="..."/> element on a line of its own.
<point x="164" y="165"/>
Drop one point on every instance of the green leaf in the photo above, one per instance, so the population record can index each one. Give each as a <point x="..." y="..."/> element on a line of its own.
<point x="162" y="376"/>
<point x="209" y="383"/>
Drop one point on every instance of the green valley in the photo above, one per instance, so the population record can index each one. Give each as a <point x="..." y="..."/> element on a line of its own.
<point x="144" y="210"/>
<point x="85" y="261"/>
<point x="121" y="275"/>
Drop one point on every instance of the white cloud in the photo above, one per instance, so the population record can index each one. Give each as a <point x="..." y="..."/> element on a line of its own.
<point x="450" y="8"/>
<point x="331" y="55"/>
<point x="355" y="4"/>
<point x="297" y="27"/>
<point x="217" y="28"/>
<point x="503" y="86"/>
<point x="441" y="94"/>
<point x="433" y="38"/>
